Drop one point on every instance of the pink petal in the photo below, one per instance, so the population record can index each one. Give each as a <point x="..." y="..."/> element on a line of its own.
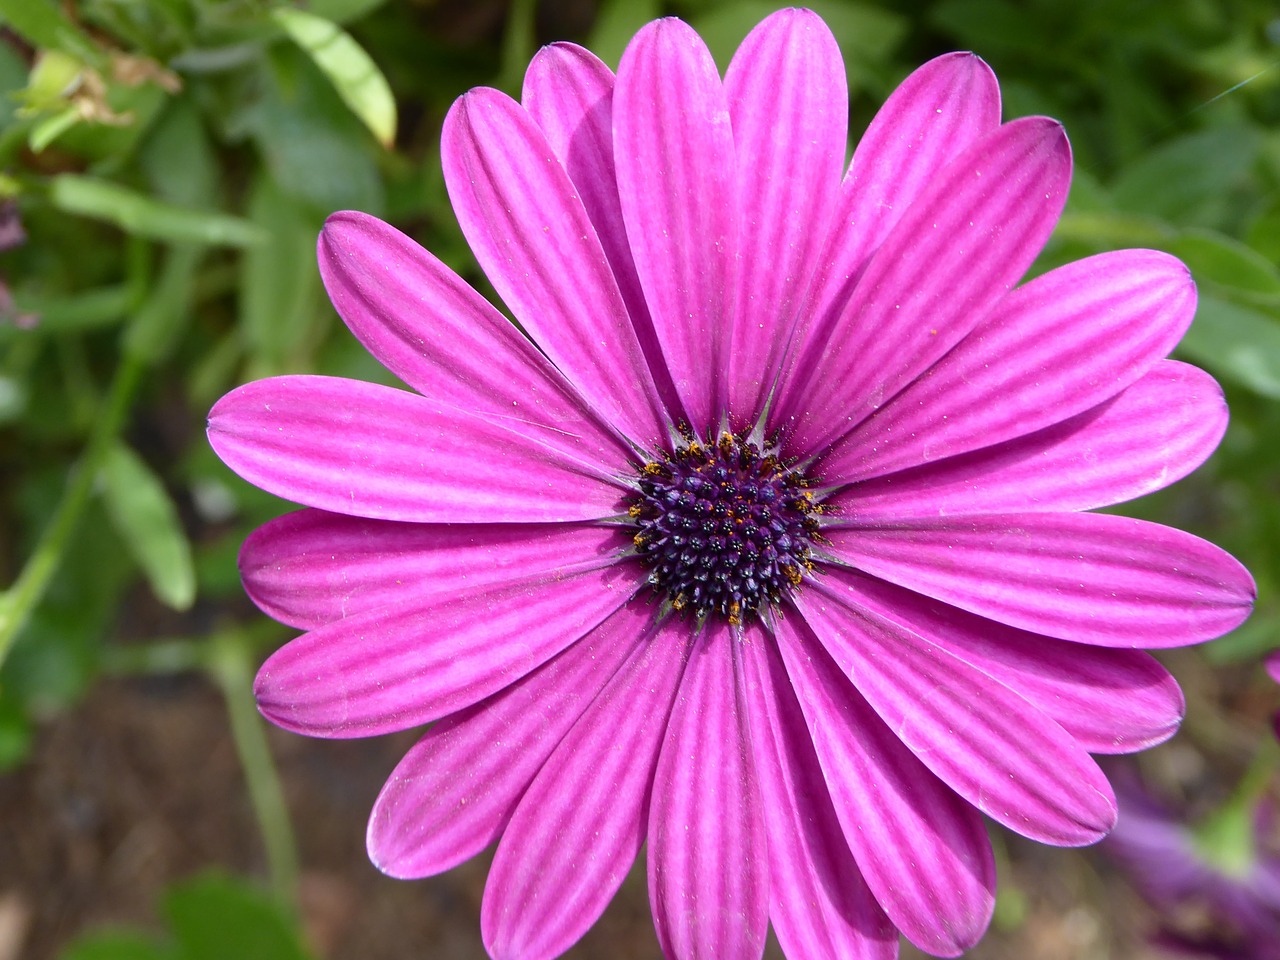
<point x="371" y="451"/>
<point x="820" y="906"/>
<point x="959" y="248"/>
<point x="1092" y="578"/>
<point x="310" y="568"/>
<point x="569" y="92"/>
<point x="708" y="861"/>
<point x="1272" y="663"/>
<point x="789" y="101"/>
<point x="991" y="746"/>
<point x="1155" y="432"/>
<point x="578" y="828"/>
<point x="923" y="851"/>
<point x="529" y="231"/>
<point x="1057" y="346"/>
<point x="1110" y="701"/>
<point x="398" y="667"/>
<point x="434" y="332"/>
<point x="453" y="793"/>
<point x="929" y="120"/>
<point x="673" y="145"/>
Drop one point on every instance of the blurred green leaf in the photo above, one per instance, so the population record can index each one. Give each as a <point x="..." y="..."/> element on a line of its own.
<point x="1236" y="342"/>
<point x="51" y="128"/>
<point x="44" y="24"/>
<point x="15" y="733"/>
<point x="1187" y="180"/>
<point x="343" y="11"/>
<point x="142" y="216"/>
<point x="148" y="523"/>
<point x="353" y="73"/>
<point x="216" y="917"/>
<point x="1229" y="263"/>
<point x="313" y="146"/>
<point x="616" y="23"/>
<point x="116" y="945"/>
<point x="178" y="158"/>
<point x="279" y="282"/>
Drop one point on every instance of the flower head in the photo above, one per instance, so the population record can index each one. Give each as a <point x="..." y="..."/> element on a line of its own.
<point x="767" y="545"/>
<point x="1217" y="889"/>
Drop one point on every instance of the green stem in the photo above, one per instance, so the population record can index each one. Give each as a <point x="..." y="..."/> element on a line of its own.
<point x="18" y="602"/>
<point x="233" y="671"/>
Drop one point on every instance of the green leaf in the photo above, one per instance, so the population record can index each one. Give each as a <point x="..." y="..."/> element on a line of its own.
<point x="44" y="24"/>
<point x="616" y="23"/>
<point x="15" y="733"/>
<point x="343" y="11"/>
<point x="1219" y="259"/>
<point x="1188" y="180"/>
<point x="1236" y="342"/>
<point x="216" y="917"/>
<point x="279" y="283"/>
<point x="147" y="521"/>
<point x="116" y="945"/>
<point x="142" y="216"/>
<point x="351" y="71"/>
<point x="178" y="158"/>
<point x="314" y="147"/>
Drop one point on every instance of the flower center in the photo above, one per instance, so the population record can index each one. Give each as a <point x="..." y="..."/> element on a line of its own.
<point x="724" y="527"/>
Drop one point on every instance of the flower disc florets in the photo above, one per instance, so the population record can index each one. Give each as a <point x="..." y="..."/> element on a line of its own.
<point x="725" y="526"/>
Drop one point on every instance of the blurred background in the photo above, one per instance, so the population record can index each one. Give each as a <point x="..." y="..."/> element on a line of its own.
<point x="164" y="168"/>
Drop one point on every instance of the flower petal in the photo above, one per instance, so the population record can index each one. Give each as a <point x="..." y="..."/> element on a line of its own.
<point x="398" y="667"/>
<point x="429" y="328"/>
<point x="820" y="906"/>
<point x="366" y="450"/>
<point x="789" y="101"/>
<point x="569" y="92"/>
<point x="968" y="238"/>
<point x="708" y="860"/>
<point x="982" y="739"/>
<point x="923" y="851"/>
<point x="1092" y="578"/>
<point x="454" y="791"/>
<point x="1110" y="701"/>
<point x="580" y="825"/>
<point x="1155" y="432"/>
<point x="529" y="231"/>
<point x="1057" y="346"/>
<point x="673" y="145"/>
<point x="929" y="120"/>
<point x="309" y="568"/>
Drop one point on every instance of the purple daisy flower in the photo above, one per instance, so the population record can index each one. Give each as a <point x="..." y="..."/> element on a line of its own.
<point x="1217" y="899"/>
<point x="766" y="546"/>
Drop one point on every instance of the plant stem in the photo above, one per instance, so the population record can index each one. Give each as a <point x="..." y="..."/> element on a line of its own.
<point x="231" y="668"/>
<point x="18" y="602"/>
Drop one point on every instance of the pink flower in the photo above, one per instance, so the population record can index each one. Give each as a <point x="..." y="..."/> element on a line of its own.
<point x="768" y="546"/>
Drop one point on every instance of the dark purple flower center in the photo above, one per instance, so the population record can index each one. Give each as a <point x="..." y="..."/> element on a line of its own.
<point x="723" y="527"/>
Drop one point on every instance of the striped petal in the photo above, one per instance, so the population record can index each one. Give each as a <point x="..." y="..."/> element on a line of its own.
<point x="673" y="145"/>
<point x="982" y="739"/>
<point x="528" y="229"/>
<point x="569" y="92"/>
<point x="969" y="237"/>
<point x="428" y="327"/>
<point x="371" y="451"/>
<point x="309" y="568"/>
<point x="708" y="863"/>
<point x="1151" y="435"/>
<point x="453" y="793"/>
<point x="1091" y="578"/>
<point x="1063" y="343"/>
<point x="580" y="825"/>
<point x="820" y="906"/>
<point x="923" y="851"/>
<point x="789" y="102"/>
<point x="398" y="667"/>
